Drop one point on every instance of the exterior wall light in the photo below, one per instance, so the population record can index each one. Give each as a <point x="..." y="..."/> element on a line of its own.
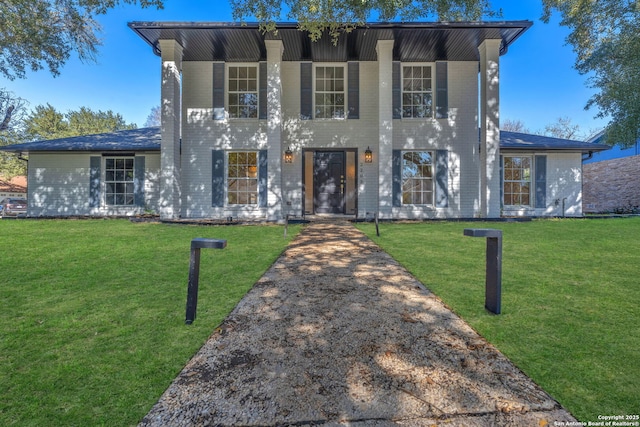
<point x="368" y="156"/>
<point x="288" y="156"/>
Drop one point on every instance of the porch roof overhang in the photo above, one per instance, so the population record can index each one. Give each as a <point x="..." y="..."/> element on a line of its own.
<point x="414" y="42"/>
<point x="516" y="141"/>
<point x="133" y="140"/>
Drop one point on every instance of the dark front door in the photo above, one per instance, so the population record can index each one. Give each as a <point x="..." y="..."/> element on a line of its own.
<point x="328" y="182"/>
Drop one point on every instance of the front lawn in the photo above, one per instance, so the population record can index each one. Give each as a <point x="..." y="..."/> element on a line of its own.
<point x="92" y="321"/>
<point x="570" y="303"/>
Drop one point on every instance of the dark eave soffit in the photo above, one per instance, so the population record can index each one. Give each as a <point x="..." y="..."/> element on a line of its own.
<point x="419" y="42"/>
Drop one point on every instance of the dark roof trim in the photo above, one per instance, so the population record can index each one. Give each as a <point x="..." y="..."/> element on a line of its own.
<point x="515" y="141"/>
<point x="419" y="41"/>
<point x="144" y="139"/>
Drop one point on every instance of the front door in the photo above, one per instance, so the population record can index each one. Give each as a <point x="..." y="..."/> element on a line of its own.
<point x="328" y="182"/>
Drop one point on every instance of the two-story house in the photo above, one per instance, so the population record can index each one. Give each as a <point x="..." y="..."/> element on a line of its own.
<point x="395" y="119"/>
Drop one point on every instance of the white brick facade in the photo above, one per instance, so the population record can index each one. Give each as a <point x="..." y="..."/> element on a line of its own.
<point x="457" y="134"/>
<point x="59" y="185"/>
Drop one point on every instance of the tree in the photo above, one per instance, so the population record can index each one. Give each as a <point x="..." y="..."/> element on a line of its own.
<point x="12" y="110"/>
<point x="153" y="119"/>
<point x="563" y="128"/>
<point x="335" y="16"/>
<point x="45" y="122"/>
<point x="12" y="114"/>
<point x="604" y="35"/>
<point x="39" y="33"/>
<point x="514" y="126"/>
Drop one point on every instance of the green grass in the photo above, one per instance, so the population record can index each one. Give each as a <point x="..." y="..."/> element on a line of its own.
<point x="570" y="302"/>
<point x="92" y="318"/>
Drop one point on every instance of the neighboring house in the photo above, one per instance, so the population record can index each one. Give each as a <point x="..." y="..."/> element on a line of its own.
<point x="258" y="126"/>
<point x="611" y="180"/>
<point x="14" y="187"/>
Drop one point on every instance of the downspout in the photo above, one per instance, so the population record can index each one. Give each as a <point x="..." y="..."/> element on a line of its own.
<point x="26" y="160"/>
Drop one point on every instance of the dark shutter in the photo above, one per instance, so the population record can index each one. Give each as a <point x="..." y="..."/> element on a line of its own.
<point x="262" y="178"/>
<point x="541" y="181"/>
<point x="306" y="90"/>
<point x="442" y="96"/>
<point x="94" y="181"/>
<point x="396" y="180"/>
<point x="354" y="90"/>
<point x="396" y="82"/>
<point x="442" y="179"/>
<point x="217" y="179"/>
<point x="262" y="102"/>
<point x="138" y="181"/>
<point x="218" y="91"/>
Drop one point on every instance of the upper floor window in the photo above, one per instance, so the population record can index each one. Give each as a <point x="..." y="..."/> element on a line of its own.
<point x="118" y="180"/>
<point x="330" y="92"/>
<point x="242" y="178"/>
<point x="517" y="180"/>
<point x="243" y="92"/>
<point x="417" y="178"/>
<point x="417" y="91"/>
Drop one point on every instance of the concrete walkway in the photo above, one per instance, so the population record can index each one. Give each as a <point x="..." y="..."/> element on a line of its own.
<point x="337" y="333"/>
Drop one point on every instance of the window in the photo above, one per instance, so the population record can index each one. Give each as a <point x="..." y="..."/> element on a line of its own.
<point x="517" y="181"/>
<point x="417" y="178"/>
<point x="417" y="93"/>
<point x="242" y="178"/>
<point x="243" y="92"/>
<point x="118" y="179"/>
<point x="329" y="102"/>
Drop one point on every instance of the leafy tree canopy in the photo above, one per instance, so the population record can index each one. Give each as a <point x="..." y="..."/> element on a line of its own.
<point x="45" y="122"/>
<point x="605" y="37"/>
<point x="35" y="34"/>
<point x="335" y="16"/>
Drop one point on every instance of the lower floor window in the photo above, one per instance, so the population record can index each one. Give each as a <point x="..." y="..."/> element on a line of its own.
<point x="242" y="178"/>
<point x="517" y="180"/>
<point x="119" y="186"/>
<point x="417" y="178"/>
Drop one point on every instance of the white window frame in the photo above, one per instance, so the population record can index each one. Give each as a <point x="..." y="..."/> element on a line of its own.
<point x="243" y="175"/>
<point x="514" y="180"/>
<point x="431" y="91"/>
<point x="129" y="196"/>
<point x="421" y="179"/>
<point x="344" y="91"/>
<point x="238" y="91"/>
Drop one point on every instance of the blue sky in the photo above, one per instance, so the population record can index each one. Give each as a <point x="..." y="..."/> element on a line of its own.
<point x="538" y="82"/>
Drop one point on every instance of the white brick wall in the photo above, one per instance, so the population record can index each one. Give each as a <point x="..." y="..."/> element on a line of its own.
<point x="459" y="135"/>
<point x="201" y="134"/>
<point x="59" y="186"/>
<point x="564" y="183"/>
<point x="317" y="134"/>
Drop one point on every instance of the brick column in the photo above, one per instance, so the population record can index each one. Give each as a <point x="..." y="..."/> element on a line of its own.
<point x="385" y="128"/>
<point x="490" y="128"/>
<point x="275" y="50"/>
<point x="170" y="102"/>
